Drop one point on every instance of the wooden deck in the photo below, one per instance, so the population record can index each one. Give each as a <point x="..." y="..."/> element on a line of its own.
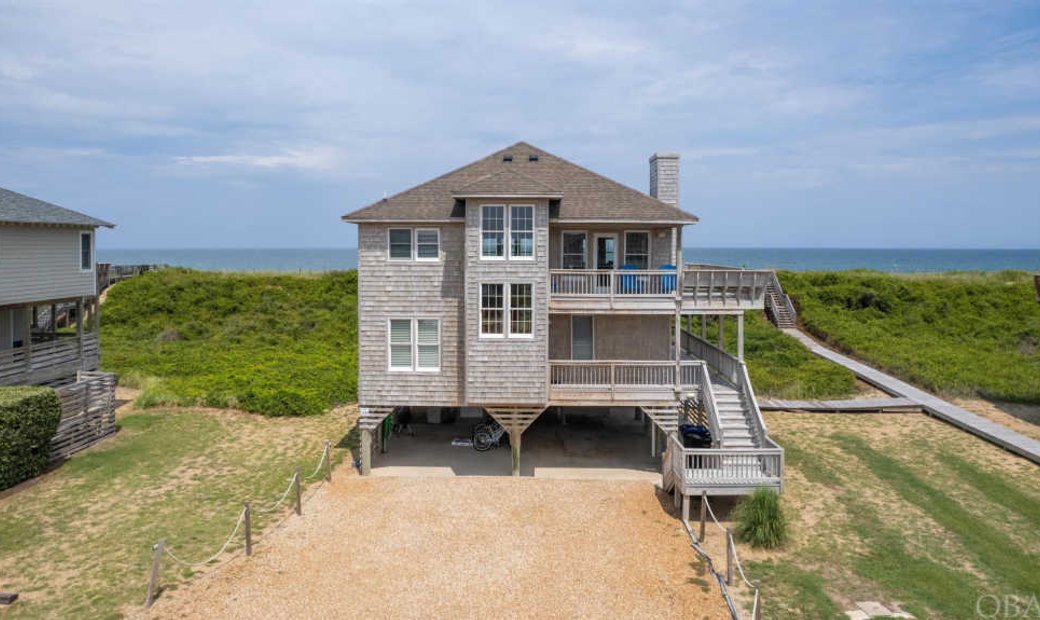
<point x="862" y="405"/>
<point x="620" y="382"/>
<point x="658" y="291"/>
<point x="974" y="424"/>
<point x="47" y="362"/>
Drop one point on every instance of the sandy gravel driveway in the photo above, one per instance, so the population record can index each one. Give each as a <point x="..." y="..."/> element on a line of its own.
<point x="464" y="547"/>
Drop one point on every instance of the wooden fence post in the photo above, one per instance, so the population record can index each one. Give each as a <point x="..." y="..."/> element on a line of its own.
<point x="328" y="461"/>
<point x="153" y="581"/>
<point x="249" y="530"/>
<point x="704" y="511"/>
<point x="729" y="556"/>
<point x="296" y="484"/>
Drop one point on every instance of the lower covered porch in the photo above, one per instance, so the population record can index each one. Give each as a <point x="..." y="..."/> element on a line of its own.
<point x="48" y="342"/>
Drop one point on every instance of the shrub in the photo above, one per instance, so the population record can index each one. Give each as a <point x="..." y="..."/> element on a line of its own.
<point x="29" y="417"/>
<point x="760" y="520"/>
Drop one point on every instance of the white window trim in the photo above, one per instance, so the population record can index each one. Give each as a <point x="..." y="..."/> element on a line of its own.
<point x="415" y="245"/>
<point x="507" y="308"/>
<point x="415" y="344"/>
<point x="509" y="312"/>
<point x="411" y="255"/>
<point x="585" y="258"/>
<point x="509" y="233"/>
<point x="480" y="311"/>
<point x="505" y="232"/>
<point x="79" y="255"/>
<point x="413" y="331"/>
<point x="649" y="247"/>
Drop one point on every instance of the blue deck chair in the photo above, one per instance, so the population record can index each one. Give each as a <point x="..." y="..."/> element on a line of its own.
<point x="630" y="282"/>
<point x="667" y="280"/>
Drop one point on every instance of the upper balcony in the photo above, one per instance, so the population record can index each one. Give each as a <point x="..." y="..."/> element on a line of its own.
<point x="657" y="291"/>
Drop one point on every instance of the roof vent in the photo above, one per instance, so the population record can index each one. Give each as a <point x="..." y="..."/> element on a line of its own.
<point x="507" y="157"/>
<point x="532" y="157"/>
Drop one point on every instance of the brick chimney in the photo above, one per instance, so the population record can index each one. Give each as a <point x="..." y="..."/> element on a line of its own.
<point x="664" y="177"/>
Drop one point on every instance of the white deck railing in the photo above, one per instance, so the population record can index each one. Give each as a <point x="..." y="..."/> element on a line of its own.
<point x="713" y="288"/>
<point x="614" y="282"/>
<point x="735" y="288"/>
<point x="613" y="374"/>
<point x="719" y="469"/>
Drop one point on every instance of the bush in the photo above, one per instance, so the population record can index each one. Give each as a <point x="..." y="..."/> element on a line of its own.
<point x="760" y="520"/>
<point x="29" y="417"/>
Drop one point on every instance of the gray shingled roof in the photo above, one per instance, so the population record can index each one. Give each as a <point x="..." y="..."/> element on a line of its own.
<point x="18" y="208"/>
<point x="507" y="183"/>
<point x="585" y="195"/>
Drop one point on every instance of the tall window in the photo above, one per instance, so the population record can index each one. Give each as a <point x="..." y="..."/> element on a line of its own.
<point x="637" y="249"/>
<point x="492" y="310"/>
<point x="86" y="251"/>
<point x="415" y="344"/>
<point x="575" y="250"/>
<point x="521" y="231"/>
<point x="427" y="243"/>
<point x="400" y="240"/>
<point x="400" y="344"/>
<point x="493" y="231"/>
<point x="521" y="310"/>
<point x="427" y="344"/>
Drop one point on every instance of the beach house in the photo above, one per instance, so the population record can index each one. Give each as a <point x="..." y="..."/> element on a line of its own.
<point x="48" y="292"/>
<point x="522" y="282"/>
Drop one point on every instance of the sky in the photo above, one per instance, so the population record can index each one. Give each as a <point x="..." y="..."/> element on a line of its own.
<point x="801" y="124"/>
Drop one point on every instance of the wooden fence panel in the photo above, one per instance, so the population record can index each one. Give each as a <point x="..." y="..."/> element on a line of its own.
<point x="88" y="413"/>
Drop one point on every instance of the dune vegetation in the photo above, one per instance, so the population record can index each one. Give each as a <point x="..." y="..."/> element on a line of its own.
<point x="268" y="343"/>
<point x="962" y="334"/>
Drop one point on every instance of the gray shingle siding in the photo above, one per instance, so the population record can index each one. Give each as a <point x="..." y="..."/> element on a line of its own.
<point x="507" y="370"/>
<point x="412" y="289"/>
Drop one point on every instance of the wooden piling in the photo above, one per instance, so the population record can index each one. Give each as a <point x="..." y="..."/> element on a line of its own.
<point x="729" y="556"/>
<point x="366" y="452"/>
<point x="514" y="443"/>
<point x="296" y="486"/>
<point x="328" y="461"/>
<point x="249" y="530"/>
<point x="153" y="580"/>
<point x="704" y="512"/>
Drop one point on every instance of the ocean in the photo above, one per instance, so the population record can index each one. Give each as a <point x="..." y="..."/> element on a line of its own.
<point x="794" y="259"/>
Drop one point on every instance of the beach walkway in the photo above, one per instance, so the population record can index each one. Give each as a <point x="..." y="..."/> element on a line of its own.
<point x="974" y="424"/>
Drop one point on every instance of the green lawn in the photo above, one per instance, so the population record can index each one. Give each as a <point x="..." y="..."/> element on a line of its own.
<point x="898" y="509"/>
<point x="269" y="343"/>
<point x="959" y="334"/>
<point x="78" y="542"/>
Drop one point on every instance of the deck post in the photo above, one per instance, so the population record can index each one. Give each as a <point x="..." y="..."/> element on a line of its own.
<point x="27" y="344"/>
<point x="54" y="319"/>
<point x="704" y="512"/>
<point x="366" y="451"/>
<point x="704" y="327"/>
<point x="740" y="336"/>
<point x="79" y="330"/>
<point x="514" y="443"/>
<point x="678" y="346"/>
<point x="685" y="508"/>
<point x="653" y="440"/>
<point x="721" y="318"/>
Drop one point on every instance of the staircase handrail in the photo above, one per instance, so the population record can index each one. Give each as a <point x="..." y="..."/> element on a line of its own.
<point x="755" y="419"/>
<point x="710" y="405"/>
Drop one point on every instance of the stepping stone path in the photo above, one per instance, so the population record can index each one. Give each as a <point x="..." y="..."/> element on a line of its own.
<point x="873" y="609"/>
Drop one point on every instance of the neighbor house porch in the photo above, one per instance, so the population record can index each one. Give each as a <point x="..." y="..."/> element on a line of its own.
<point x="47" y="342"/>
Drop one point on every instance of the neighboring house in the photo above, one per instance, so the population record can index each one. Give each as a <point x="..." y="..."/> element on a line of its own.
<point x="48" y="292"/>
<point x="523" y="281"/>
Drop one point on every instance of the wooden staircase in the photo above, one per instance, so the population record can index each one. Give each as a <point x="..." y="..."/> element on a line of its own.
<point x="733" y="416"/>
<point x="778" y="305"/>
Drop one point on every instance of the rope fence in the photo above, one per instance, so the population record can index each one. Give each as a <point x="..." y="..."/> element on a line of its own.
<point x="323" y="470"/>
<point x="732" y="560"/>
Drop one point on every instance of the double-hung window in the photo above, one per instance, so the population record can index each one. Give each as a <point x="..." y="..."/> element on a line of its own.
<point x="507" y="310"/>
<point x="400" y="242"/>
<point x="415" y="344"/>
<point x="421" y="244"/>
<point x="521" y="231"/>
<point x="86" y="251"/>
<point x="492" y="231"/>
<point x="575" y="250"/>
<point x="637" y="249"/>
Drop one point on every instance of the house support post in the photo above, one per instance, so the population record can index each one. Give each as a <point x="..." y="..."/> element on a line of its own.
<point x="740" y="337"/>
<point x="27" y="342"/>
<point x="704" y="327"/>
<point x="366" y="451"/>
<point x="79" y="330"/>
<point x="54" y="320"/>
<point x="722" y="320"/>
<point x="653" y="440"/>
<point x="514" y="443"/>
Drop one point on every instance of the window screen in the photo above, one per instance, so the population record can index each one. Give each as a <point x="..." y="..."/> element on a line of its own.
<point x="401" y="243"/>
<point x="85" y="251"/>
<point x="401" y="343"/>
<point x="521" y="309"/>
<point x="428" y="343"/>
<point x="427" y="244"/>
<point x="637" y="249"/>
<point x="521" y="231"/>
<point x="491" y="309"/>
<point x="492" y="230"/>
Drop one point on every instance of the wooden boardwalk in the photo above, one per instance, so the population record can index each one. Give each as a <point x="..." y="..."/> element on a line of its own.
<point x="861" y="405"/>
<point x="961" y="418"/>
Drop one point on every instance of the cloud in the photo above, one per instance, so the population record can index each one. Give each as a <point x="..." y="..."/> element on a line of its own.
<point x="315" y="159"/>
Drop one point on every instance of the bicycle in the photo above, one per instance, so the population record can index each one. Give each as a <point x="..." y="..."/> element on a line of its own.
<point x="487" y="435"/>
